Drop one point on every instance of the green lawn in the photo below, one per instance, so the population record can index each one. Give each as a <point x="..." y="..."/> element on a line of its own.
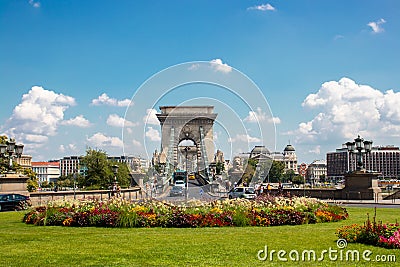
<point x="27" y="245"/>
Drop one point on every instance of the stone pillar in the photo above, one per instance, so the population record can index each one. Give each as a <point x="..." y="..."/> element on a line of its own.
<point x="13" y="183"/>
<point x="361" y="185"/>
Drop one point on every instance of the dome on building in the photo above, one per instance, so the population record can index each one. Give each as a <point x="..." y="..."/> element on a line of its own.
<point x="289" y="148"/>
<point x="259" y="150"/>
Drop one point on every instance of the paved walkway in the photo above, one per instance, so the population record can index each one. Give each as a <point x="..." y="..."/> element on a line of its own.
<point x="395" y="203"/>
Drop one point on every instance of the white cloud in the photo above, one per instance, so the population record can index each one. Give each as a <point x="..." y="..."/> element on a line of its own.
<point x="244" y="138"/>
<point x="275" y="120"/>
<point x="39" y="114"/>
<point x="150" y="117"/>
<point x="36" y="138"/>
<point x="136" y="143"/>
<point x="69" y="148"/>
<point x="34" y="4"/>
<point x="263" y="7"/>
<point x="217" y="65"/>
<point x="101" y="140"/>
<point x="153" y="134"/>
<point x="315" y="150"/>
<point x="376" y="26"/>
<point x="104" y="99"/>
<point x="117" y="121"/>
<point x="259" y="116"/>
<point x="346" y="109"/>
<point x="338" y="37"/>
<point x="194" y="67"/>
<point x="79" y="121"/>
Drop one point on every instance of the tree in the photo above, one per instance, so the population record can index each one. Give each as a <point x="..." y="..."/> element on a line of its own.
<point x="288" y="176"/>
<point x="322" y="178"/>
<point x="3" y="161"/>
<point x="276" y="171"/>
<point x="249" y="171"/>
<point x="298" y="180"/>
<point x="123" y="176"/>
<point x="32" y="183"/>
<point x="219" y="168"/>
<point x="98" y="172"/>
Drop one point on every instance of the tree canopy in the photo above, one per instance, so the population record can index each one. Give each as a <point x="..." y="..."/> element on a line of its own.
<point x="99" y="174"/>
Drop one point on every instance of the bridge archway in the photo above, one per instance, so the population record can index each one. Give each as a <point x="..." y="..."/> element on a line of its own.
<point x="180" y="123"/>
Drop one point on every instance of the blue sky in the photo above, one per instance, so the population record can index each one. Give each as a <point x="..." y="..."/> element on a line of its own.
<point x="78" y="63"/>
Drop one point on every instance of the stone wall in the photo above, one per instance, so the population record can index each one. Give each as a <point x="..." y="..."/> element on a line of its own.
<point x="41" y="198"/>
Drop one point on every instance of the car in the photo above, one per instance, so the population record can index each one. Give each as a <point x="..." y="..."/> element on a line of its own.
<point x="242" y="192"/>
<point x="192" y="176"/>
<point x="14" y="202"/>
<point x="176" y="191"/>
<point x="180" y="183"/>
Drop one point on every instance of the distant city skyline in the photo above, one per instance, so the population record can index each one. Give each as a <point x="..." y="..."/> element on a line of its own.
<point x="328" y="69"/>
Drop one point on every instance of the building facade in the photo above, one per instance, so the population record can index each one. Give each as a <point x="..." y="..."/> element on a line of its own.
<point x="288" y="157"/>
<point x="382" y="159"/>
<point x="317" y="171"/>
<point x="46" y="171"/>
<point x="70" y="165"/>
<point x="25" y="161"/>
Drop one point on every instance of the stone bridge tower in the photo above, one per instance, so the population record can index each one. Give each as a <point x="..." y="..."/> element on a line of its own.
<point x="193" y="123"/>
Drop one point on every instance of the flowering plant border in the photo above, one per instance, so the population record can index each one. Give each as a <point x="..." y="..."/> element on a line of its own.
<point x="372" y="233"/>
<point x="116" y="212"/>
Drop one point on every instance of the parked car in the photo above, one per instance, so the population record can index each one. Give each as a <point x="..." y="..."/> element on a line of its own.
<point x="176" y="191"/>
<point x="242" y="192"/>
<point x="14" y="202"/>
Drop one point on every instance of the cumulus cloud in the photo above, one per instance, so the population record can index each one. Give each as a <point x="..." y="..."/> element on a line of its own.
<point x="136" y="143"/>
<point x="263" y="7"/>
<point x="101" y="140"/>
<point x="78" y="121"/>
<point x="117" y="121"/>
<point x="376" y="26"/>
<point x="67" y="148"/>
<point x="244" y="138"/>
<point x="38" y="115"/>
<point x="217" y="65"/>
<point x="259" y="116"/>
<point x="104" y="99"/>
<point x="315" y="150"/>
<point x="194" y="67"/>
<point x="346" y="109"/>
<point x="153" y="134"/>
<point x="34" y="4"/>
<point x="150" y="117"/>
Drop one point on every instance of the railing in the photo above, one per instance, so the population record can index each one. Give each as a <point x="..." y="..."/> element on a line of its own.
<point x="40" y="198"/>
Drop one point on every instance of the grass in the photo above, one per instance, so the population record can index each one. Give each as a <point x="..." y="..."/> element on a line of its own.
<point x="28" y="245"/>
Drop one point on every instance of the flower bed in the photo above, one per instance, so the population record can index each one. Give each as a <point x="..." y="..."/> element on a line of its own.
<point x="372" y="233"/>
<point x="265" y="211"/>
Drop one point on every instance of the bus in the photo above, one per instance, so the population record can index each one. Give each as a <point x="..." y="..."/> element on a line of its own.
<point x="179" y="175"/>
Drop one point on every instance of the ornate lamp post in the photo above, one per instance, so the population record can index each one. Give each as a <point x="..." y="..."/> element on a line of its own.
<point x="115" y="171"/>
<point x="186" y="149"/>
<point x="11" y="150"/>
<point x="362" y="147"/>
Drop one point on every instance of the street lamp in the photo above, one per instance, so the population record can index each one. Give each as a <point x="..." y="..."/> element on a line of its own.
<point x="114" y="184"/>
<point x="11" y="150"/>
<point x="75" y="170"/>
<point x="186" y="149"/>
<point x="115" y="171"/>
<point x="362" y="147"/>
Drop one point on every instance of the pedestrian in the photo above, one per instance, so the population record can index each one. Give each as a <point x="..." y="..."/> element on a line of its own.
<point x="257" y="188"/>
<point x="118" y="191"/>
